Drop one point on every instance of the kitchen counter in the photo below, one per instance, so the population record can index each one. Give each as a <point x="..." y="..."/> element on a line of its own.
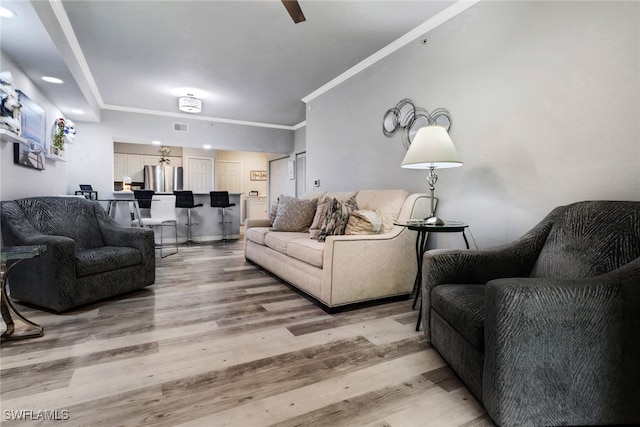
<point x="208" y="219"/>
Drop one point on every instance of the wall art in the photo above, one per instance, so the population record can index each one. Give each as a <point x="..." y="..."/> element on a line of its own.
<point x="408" y="118"/>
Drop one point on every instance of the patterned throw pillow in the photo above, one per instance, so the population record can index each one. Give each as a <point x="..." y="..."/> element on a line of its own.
<point x="318" y="219"/>
<point x="364" y="222"/>
<point x="294" y="214"/>
<point x="336" y="218"/>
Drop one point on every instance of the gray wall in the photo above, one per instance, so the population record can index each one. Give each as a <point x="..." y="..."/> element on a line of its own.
<point x="20" y="181"/>
<point x="544" y="98"/>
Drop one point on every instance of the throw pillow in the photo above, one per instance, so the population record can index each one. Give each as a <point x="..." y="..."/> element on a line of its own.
<point x="294" y="214"/>
<point x="364" y="222"/>
<point x="318" y="219"/>
<point x="336" y="218"/>
<point x="273" y="212"/>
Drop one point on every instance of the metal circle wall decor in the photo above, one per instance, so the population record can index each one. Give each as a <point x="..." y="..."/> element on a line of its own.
<point x="407" y="118"/>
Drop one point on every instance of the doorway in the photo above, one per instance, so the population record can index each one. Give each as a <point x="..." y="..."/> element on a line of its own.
<point x="228" y="176"/>
<point x="200" y="174"/>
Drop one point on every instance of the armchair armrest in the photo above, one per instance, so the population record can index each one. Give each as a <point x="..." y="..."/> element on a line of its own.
<point x="558" y="344"/>
<point x="40" y="277"/>
<point x="114" y="234"/>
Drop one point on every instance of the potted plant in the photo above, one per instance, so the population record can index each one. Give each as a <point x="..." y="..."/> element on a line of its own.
<point x="58" y="136"/>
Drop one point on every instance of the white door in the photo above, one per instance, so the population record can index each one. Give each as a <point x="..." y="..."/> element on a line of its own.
<point x="228" y="176"/>
<point x="279" y="179"/>
<point x="200" y="174"/>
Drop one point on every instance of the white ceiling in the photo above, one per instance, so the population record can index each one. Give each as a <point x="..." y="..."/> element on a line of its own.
<point x="250" y="60"/>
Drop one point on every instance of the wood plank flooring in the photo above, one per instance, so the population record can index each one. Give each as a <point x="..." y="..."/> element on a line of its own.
<point x="218" y="342"/>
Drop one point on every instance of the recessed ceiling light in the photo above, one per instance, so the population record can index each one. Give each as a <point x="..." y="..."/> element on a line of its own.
<point x="206" y="146"/>
<point x="6" y="13"/>
<point x="156" y="142"/>
<point x="79" y="112"/>
<point x="52" y="80"/>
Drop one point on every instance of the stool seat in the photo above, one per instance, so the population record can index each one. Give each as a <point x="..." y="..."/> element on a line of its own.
<point x="144" y="198"/>
<point x="220" y="199"/>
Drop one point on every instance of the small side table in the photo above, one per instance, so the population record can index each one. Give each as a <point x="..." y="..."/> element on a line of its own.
<point x="421" y="247"/>
<point x="17" y="254"/>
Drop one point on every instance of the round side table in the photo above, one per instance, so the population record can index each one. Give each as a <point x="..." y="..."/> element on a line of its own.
<point x="421" y="246"/>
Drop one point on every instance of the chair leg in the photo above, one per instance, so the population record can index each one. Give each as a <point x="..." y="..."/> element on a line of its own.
<point x="175" y="226"/>
<point x="224" y="226"/>
<point x="188" y="226"/>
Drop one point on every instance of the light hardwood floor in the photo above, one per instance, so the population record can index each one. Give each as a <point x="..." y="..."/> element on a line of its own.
<point x="218" y="342"/>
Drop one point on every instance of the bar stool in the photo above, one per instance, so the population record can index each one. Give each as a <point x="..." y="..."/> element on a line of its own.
<point x="144" y="198"/>
<point x="220" y="199"/>
<point x="184" y="199"/>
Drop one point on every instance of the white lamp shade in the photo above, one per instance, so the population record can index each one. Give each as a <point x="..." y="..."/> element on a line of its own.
<point x="431" y="147"/>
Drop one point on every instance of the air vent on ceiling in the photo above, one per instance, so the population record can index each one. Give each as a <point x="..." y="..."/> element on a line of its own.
<point x="181" y="127"/>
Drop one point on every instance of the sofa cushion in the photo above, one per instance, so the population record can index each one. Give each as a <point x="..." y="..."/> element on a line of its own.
<point x="364" y="222"/>
<point x="336" y="218"/>
<point x="256" y="234"/>
<point x="342" y="196"/>
<point x="387" y="202"/>
<point x="294" y="214"/>
<point x="279" y="240"/>
<point x="310" y="195"/>
<point x="105" y="258"/>
<point x="307" y="250"/>
<point x="462" y="306"/>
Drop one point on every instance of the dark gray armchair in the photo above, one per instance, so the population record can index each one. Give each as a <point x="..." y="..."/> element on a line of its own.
<point x="546" y="330"/>
<point x="89" y="256"/>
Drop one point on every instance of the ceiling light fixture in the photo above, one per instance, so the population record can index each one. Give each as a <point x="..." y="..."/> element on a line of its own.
<point x="79" y="112"/>
<point x="52" y="80"/>
<point x="190" y="104"/>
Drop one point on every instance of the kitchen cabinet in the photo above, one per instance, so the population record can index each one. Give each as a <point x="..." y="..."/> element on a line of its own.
<point x="256" y="207"/>
<point x="128" y="165"/>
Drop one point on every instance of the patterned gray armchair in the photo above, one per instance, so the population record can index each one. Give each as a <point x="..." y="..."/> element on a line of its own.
<point x="89" y="256"/>
<point x="546" y="330"/>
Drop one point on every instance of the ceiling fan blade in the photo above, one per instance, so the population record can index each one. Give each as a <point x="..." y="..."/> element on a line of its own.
<point x="294" y="10"/>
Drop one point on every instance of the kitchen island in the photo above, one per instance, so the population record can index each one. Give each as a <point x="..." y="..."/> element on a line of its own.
<point x="209" y="228"/>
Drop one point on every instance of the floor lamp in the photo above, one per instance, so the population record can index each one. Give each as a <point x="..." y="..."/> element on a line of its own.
<point x="432" y="149"/>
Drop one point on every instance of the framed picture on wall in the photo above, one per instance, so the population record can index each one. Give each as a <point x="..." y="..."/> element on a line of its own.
<point x="32" y="120"/>
<point x="258" y="175"/>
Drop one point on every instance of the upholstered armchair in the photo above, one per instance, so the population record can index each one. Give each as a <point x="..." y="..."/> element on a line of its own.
<point x="89" y="256"/>
<point x="546" y="330"/>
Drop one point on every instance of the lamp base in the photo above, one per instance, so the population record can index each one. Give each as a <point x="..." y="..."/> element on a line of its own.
<point x="434" y="220"/>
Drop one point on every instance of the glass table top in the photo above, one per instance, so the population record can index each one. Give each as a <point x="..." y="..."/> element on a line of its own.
<point x="20" y="252"/>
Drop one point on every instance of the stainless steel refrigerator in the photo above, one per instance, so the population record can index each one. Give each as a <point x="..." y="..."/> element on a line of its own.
<point x="162" y="179"/>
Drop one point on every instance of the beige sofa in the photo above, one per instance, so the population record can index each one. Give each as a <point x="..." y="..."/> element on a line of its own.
<point x="345" y="269"/>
